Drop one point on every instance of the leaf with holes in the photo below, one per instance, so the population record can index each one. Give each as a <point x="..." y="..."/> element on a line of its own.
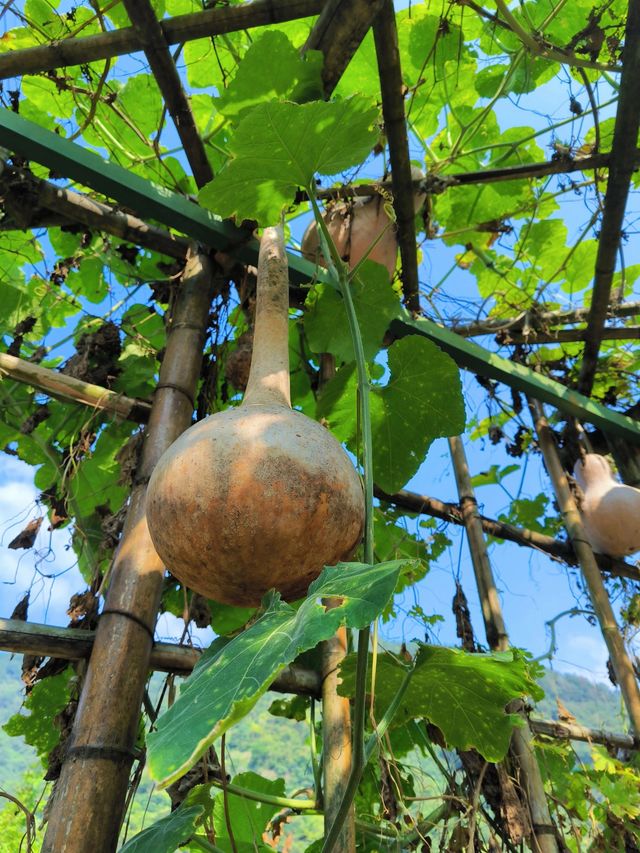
<point x="230" y="678"/>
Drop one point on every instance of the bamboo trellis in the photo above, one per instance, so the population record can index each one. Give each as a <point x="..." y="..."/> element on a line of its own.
<point x="100" y="754"/>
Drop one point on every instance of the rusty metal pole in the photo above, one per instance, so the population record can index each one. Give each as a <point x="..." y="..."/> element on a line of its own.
<point x="88" y="804"/>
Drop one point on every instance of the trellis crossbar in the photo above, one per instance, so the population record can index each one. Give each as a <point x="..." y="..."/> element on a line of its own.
<point x="152" y="200"/>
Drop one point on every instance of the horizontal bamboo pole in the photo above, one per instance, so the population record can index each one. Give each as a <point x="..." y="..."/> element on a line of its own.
<point x="68" y="388"/>
<point x="176" y="30"/>
<point x="573" y="731"/>
<point x="535" y="320"/>
<point x="556" y="548"/>
<point x="16" y="185"/>
<point x="32" y="638"/>
<point x="566" y="336"/>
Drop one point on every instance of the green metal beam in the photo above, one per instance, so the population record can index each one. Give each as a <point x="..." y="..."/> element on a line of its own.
<point x="156" y="202"/>
<point x="479" y="360"/>
<point x="150" y="200"/>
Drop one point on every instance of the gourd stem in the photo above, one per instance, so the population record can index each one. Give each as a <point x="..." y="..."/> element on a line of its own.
<point x="268" y="382"/>
<point x="338" y="273"/>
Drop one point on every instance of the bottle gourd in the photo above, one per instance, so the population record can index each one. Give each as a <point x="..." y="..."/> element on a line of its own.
<point x="258" y="496"/>
<point x="354" y="228"/>
<point x="610" y="510"/>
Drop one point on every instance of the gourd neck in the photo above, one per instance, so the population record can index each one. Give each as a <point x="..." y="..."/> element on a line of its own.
<point x="594" y="473"/>
<point x="268" y="382"/>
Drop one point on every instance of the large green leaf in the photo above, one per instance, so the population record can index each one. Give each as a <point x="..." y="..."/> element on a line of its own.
<point x="421" y="401"/>
<point x="463" y="694"/>
<point x="280" y="146"/>
<point x="230" y="678"/>
<point x="272" y="68"/>
<point x="166" y="834"/>
<point x="325" y="320"/>
<point x="248" y="818"/>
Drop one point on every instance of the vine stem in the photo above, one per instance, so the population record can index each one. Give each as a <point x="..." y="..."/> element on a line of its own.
<point x="339" y="275"/>
<point x="361" y="754"/>
<point x="306" y="806"/>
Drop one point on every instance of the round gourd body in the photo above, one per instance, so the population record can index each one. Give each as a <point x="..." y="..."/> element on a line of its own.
<point x="252" y="498"/>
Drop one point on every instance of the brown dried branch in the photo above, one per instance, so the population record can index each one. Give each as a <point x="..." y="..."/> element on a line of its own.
<point x="573" y="731"/>
<point x="565" y="336"/>
<point x="538" y="320"/>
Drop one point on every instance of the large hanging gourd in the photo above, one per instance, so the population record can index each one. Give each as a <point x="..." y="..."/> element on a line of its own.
<point x="610" y="510"/>
<point x="356" y="226"/>
<point x="258" y="496"/>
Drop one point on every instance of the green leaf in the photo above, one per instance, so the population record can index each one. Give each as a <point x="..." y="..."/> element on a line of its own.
<point x="166" y="834"/>
<point x="228" y="680"/>
<point x="272" y="68"/>
<point x="493" y="476"/>
<point x="463" y="694"/>
<point x="421" y="401"/>
<point x="279" y="146"/>
<point x="292" y="709"/>
<point x="225" y="618"/>
<point x="248" y="818"/>
<point x="325" y="320"/>
<point x="44" y="703"/>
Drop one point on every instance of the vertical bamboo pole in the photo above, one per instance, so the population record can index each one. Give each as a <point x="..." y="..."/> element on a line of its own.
<point x="336" y="741"/>
<point x="597" y="592"/>
<point x="89" y="799"/>
<point x="522" y="740"/>
<point x="336" y="710"/>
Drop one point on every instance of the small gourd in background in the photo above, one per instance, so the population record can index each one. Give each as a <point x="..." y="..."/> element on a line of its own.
<point x="610" y="510"/>
<point x="257" y="496"/>
<point x="355" y="225"/>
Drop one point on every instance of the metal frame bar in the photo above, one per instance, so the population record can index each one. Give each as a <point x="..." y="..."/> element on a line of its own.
<point x="151" y="200"/>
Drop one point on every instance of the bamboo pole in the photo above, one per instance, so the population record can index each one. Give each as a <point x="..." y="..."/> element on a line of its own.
<point x="338" y="33"/>
<point x="392" y="87"/>
<point x="87" y="808"/>
<point x="18" y="185"/>
<point x="544" y="831"/>
<point x="149" y="29"/>
<point x="68" y="388"/>
<point x="176" y="30"/>
<point x="572" y="731"/>
<point x="597" y="593"/>
<point x="337" y="750"/>
<point x="31" y="638"/>
<point x="621" y="169"/>
<point x="336" y="741"/>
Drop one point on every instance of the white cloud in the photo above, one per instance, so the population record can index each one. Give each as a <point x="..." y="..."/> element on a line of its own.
<point x="37" y="569"/>
<point x="582" y="652"/>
